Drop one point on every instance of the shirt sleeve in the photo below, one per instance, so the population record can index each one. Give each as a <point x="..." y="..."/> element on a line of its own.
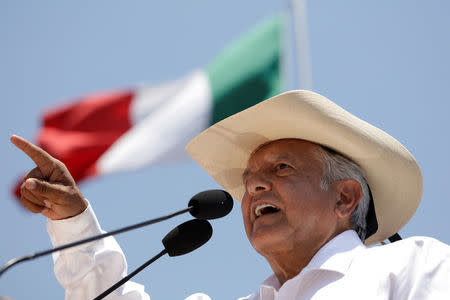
<point x="87" y="270"/>
<point x="430" y="279"/>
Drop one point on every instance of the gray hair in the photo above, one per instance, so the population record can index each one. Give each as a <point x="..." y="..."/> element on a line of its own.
<point x="338" y="167"/>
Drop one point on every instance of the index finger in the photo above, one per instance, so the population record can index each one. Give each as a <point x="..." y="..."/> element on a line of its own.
<point x="37" y="154"/>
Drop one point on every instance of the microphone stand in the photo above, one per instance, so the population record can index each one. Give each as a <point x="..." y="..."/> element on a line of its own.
<point x="182" y="239"/>
<point x="15" y="261"/>
<point x="129" y="276"/>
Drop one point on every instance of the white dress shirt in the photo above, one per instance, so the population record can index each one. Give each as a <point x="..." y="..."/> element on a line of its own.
<point x="414" y="268"/>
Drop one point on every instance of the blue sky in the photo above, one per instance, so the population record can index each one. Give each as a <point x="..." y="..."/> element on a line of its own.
<point x="385" y="61"/>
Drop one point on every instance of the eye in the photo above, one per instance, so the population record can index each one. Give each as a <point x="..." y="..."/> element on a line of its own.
<point x="282" y="166"/>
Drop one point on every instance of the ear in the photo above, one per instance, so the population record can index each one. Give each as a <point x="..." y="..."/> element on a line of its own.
<point x="349" y="194"/>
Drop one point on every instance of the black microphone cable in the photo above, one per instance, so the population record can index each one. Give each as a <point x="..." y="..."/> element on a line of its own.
<point x="211" y="204"/>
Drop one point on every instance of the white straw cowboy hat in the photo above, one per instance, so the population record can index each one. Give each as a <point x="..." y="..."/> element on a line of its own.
<point x="393" y="174"/>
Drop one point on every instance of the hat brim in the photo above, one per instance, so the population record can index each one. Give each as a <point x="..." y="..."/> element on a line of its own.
<point x="392" y="172"/>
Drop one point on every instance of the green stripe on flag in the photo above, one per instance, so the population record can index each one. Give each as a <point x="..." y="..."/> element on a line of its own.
<point x="247" y="71"/>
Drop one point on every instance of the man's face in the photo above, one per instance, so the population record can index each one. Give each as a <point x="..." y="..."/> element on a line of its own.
<point x="284" y="206"/>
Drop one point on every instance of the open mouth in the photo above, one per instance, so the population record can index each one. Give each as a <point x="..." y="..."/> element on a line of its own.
<point x="264" y="209"/>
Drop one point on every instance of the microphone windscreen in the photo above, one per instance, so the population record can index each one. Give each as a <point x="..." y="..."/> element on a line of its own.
<point x="187" y="237"/>
<point x="211" y="204"/>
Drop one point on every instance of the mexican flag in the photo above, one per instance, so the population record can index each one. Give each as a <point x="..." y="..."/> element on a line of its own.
<point x="127" y="129"/>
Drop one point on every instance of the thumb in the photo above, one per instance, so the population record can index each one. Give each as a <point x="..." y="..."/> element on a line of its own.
<point x="64" y="201"/>
<point x="43" y="188"/>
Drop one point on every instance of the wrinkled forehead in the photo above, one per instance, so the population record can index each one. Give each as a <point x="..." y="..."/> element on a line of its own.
<point x="290" y="149"/>
<point x="286" y="145"/>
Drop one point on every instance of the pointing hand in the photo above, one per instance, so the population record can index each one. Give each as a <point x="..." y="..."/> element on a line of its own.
<point x="49" y="188"/>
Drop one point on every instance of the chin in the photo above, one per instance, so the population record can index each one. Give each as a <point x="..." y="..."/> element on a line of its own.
<point x="266" y="242"/>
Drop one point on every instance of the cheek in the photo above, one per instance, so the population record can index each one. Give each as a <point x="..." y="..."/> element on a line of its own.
<point x="307" y="203"/>
<point x="245" y="209"/>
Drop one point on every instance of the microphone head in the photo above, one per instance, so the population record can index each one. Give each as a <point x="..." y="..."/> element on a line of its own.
<point x="211" y="204"/>
<point x="187" y="237"/>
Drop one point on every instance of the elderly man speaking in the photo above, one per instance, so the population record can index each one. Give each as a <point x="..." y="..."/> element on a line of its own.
<point x="316" y="185"/>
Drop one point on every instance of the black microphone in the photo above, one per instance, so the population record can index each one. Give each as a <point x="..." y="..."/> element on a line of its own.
<point x="181" y="240"/>
<point x="211" y="204"/>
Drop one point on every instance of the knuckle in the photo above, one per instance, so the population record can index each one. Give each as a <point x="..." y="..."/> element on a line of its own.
<point x="58" y="164"/>
<point x="59" y="173"/>
<point x="54" y="165"/>
<point x="59" y="168"/>
<point x="28" y="205"/>
<point x="41" y="186"/>
<point x="68" y="194"/>
<point x="26" y="148"/>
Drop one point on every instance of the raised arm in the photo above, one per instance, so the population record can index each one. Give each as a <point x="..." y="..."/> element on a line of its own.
<point x="87" y="270"/>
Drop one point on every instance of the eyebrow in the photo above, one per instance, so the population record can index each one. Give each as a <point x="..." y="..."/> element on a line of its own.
<point x="277" y="158"/>
<point x="283" y="156"/>
<point x="245" y="174"/>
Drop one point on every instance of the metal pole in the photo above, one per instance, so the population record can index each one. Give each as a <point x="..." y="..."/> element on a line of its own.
<point x="301" y="42"/>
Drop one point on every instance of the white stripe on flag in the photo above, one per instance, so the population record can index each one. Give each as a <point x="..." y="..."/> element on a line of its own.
<point x="167" y="118"/>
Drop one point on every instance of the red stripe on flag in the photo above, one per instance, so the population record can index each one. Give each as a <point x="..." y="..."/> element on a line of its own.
<point x="78" y="134"/>
<point x="97" y="112"/>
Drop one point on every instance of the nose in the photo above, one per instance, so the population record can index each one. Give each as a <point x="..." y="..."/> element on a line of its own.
<point x="257" y="183"/>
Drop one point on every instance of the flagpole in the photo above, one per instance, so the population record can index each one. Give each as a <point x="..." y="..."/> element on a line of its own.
<point x="301" y="44"/>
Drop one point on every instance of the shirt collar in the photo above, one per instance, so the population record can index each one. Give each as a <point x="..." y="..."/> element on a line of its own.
<point x="271" y="282"/>
<point x="336" y="255"/>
